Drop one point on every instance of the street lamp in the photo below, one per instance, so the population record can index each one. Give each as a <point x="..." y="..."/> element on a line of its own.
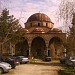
<point x="65" y="52"/>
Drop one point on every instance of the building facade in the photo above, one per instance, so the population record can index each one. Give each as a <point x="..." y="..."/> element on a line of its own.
<point x="41" y="38"/>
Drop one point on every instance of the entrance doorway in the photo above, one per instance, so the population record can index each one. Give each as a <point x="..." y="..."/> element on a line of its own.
<point x="48" y="52"/>
<point x="38" y="47"/>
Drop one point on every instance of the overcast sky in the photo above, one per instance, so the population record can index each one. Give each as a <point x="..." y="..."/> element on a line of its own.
<point x="22" y="9"/>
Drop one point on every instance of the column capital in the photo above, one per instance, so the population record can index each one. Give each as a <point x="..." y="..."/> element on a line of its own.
<point x="29" y="44"/>
<point x="47" y="43"/>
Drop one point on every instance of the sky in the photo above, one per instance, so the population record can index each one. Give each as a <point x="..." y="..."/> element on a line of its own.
<point x="22" y="9"/>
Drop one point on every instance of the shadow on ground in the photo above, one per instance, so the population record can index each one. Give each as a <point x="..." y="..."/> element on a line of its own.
<point x="49" y="63"/>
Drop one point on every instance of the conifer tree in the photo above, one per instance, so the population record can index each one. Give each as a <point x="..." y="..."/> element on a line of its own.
<point x="9" y="27"/>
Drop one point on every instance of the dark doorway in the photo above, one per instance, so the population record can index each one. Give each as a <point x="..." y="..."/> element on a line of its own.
<point x="39" y="53"/>
<point x="48" y="52"/>
<point x="38" y="47"/>
<point x="38" y="24"/>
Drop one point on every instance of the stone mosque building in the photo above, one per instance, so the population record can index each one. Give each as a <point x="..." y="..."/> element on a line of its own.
<point x="40" y="38"/>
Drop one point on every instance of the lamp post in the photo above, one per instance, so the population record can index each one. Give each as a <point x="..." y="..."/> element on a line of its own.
<point x="65" y="52"/>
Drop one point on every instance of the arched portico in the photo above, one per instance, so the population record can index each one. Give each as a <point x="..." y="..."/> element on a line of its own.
<point x="38" y="47"/>
<point x="55" y="47"/>
<point x="42" y="38"/>
<point x="22" y="48"/>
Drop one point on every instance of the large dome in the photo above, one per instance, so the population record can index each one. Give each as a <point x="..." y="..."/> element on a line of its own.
<point x="39" y="17"/>
<point x="39" y="20"/>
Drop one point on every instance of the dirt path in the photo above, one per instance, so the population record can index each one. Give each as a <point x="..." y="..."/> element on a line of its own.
<point x="35" y="69"/>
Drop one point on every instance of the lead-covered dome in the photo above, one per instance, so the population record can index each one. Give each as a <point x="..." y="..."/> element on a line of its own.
<point x="39" y="20"/>
<point x="38" y="17"/>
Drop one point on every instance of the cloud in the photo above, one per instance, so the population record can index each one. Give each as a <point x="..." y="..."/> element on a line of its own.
<point x="24" y="8"/>
<point x="19" y="4"/>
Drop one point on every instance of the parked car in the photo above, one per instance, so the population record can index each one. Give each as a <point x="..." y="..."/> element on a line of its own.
<point x="63" y="60"/>
<point x="47" y="59"/>
<point x="11" y="61"/>
<point x="70" y="61"/>
<point x="22" y="59"/>
<point x="4" y="67"/>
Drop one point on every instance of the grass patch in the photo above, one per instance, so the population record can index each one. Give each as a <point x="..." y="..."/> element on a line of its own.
<point x="33" y="61"/>
<point x="67" y="71"/>
<point x="70" y="69"/>
<point x="55" y="61"/>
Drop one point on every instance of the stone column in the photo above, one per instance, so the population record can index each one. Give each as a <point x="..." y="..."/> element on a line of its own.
<point x="29" y="51"/>
<point x="47" y="43"/>
<point x="47" y="50"/>
<point x="29" y="43"/>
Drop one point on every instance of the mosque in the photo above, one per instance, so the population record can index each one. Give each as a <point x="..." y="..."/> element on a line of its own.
<point x="41" y="38"/>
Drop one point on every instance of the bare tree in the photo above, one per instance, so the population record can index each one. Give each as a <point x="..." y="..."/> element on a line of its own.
<point x="71" y="38"/>
<point x="65" y="11"/>
<point x="66" y="14"/>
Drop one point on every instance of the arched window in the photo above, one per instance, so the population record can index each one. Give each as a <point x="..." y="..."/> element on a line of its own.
<point x="46" y="24"/>
<point x="31" y="24"/>
<point x="38" y="24"/>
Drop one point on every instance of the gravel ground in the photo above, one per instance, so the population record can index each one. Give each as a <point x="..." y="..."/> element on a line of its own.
<point x="45" y="68"/>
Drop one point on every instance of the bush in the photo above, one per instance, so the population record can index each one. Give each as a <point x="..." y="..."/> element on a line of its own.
<point x="70" y="69"/>
<point x="61" y="72"/>
<point x="67" y="71"/>
<point x="33" y="61"/>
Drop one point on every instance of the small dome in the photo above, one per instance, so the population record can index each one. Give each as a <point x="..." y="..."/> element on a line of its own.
<point x="38" y="30"/>
<point x="25" y="30"/>
<point x="39" y="17"/>
<point x="57" y="30"/>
